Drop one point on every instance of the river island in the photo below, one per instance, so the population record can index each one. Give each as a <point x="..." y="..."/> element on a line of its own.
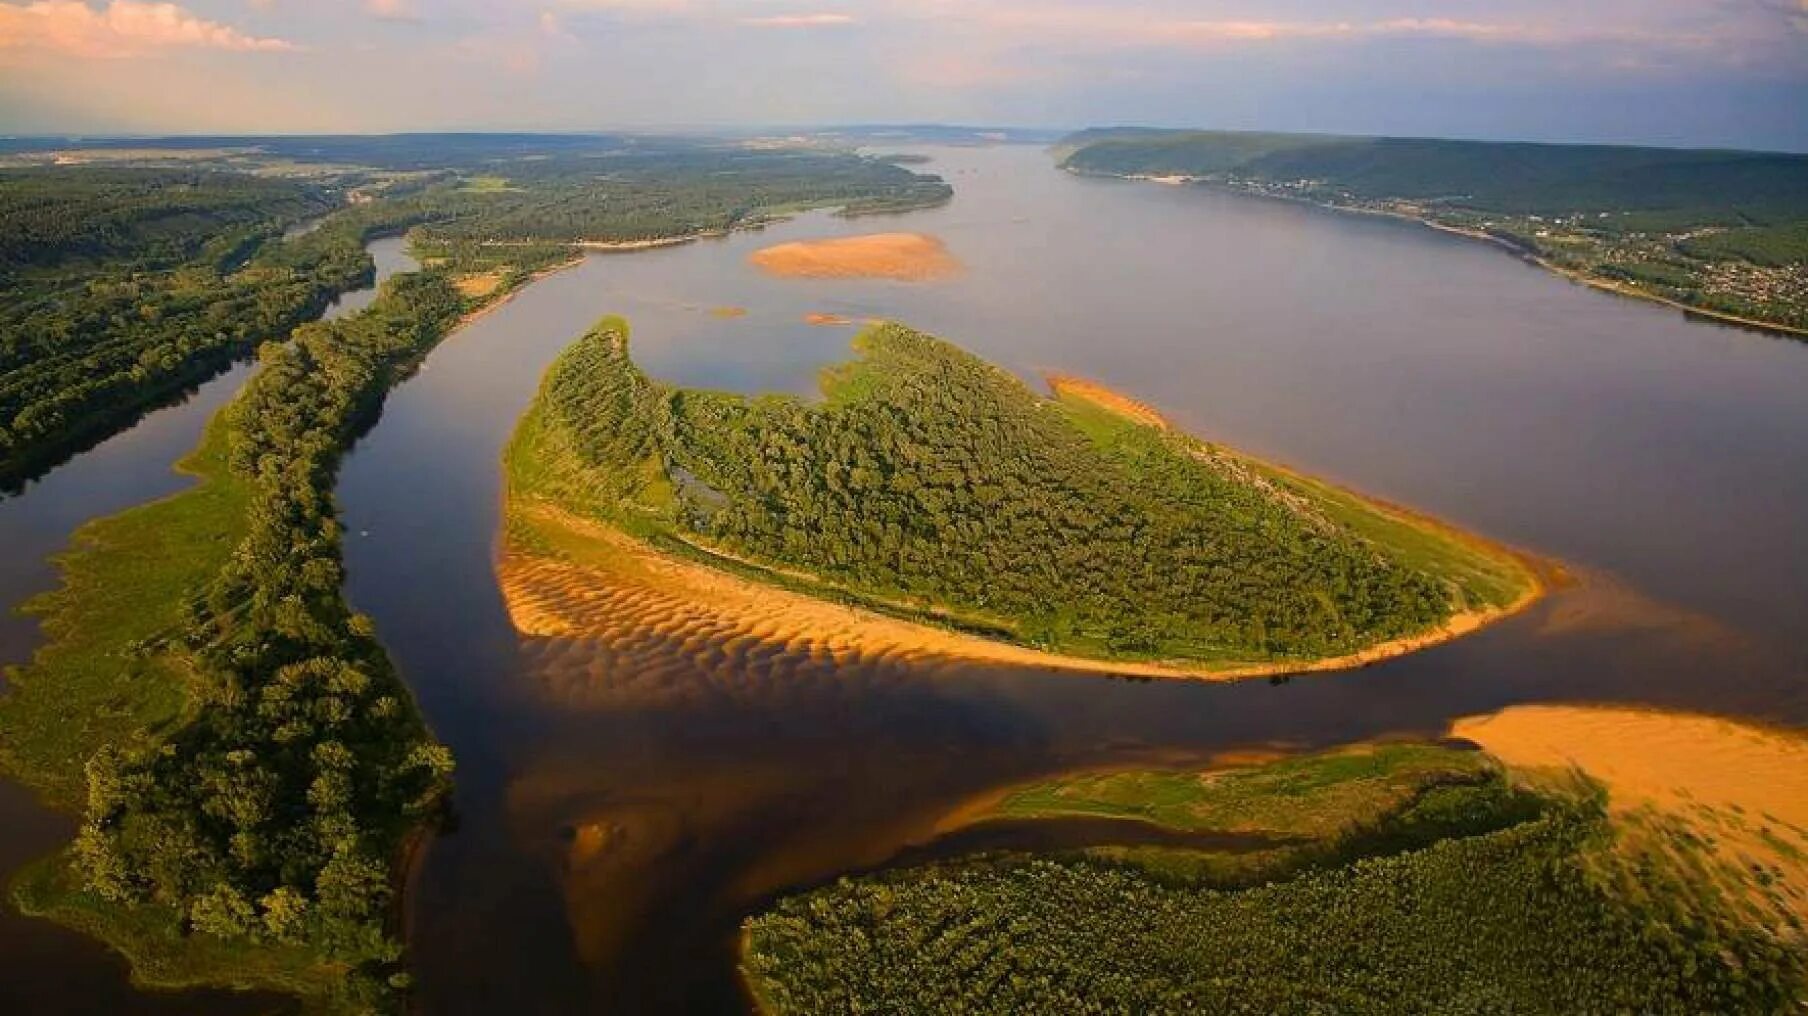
<point x="932" y="506"/>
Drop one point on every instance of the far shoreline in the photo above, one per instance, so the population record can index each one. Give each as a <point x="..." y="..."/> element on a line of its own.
<point x="1772" y="328"/>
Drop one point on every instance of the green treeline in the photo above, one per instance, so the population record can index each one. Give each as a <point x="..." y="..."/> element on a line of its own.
<point x="932" y="481"/>
<point x="269" y="812"/>
<point x="1471" y="897"/>
<point x="121" y="296"/>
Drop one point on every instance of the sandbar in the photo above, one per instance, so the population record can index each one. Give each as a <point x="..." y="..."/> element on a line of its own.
<point x="903" y="257"/>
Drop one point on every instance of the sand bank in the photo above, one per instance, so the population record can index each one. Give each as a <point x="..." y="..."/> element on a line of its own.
<point x="624" y="593"/>
<point x="828" y="320"/>
<point x="905" y="257"/>
<point x="1741" y="788"/>
<point x="1135" y="410"/>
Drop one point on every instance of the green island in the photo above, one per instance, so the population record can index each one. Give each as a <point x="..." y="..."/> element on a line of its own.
<point x="251" y="772"/>
<point x="132" y="280"/>
<point x="932" y="487"/>
<point x="1722" y="233"/>
<point x="1391" y="878"/>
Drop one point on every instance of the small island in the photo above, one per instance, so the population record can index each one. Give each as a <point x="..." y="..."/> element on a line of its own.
<point x="933" y="505"/>
<point x="901" y="257"/>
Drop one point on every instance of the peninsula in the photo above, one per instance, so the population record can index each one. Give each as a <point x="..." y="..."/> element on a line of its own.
<point x="932" y="505"/>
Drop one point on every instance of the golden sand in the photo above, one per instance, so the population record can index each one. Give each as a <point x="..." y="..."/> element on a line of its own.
<point x="906" y="257"/>
<point x="1108" y="399"/>
<point x="828" y="320"/>
<point x="626" y="596"/>
<point x="1743" y="786"/>
<point x="728" y="312"/>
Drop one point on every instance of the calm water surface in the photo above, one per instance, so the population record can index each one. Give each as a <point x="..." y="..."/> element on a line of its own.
<point x="620" y="818"/>
<point x="44" y="968"/>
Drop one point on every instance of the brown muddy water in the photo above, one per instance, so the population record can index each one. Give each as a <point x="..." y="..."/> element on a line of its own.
<point x="622" y="812"/>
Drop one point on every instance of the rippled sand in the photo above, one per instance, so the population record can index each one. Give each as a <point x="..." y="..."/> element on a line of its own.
<point x="629" y="602"/>
<point x="905" y="257"/>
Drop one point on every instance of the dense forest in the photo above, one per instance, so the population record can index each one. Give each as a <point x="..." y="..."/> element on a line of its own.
<point x="1467" y="896"/>
<point x="1722" y="231"/>
<point x="635" y="195"/>
<point x="128" y="285"/>
<point x="932" y="481"/>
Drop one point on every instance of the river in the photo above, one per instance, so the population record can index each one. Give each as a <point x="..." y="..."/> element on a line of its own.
<point x="617" y="821"/>
<point x="44" y="968"/>
<point x="619" y="817"/>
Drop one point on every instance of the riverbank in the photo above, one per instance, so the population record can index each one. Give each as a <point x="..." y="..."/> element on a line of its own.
<point x="1516" y="249"/>
<point x="569" y="568"/>
<point x="149" y="586"/>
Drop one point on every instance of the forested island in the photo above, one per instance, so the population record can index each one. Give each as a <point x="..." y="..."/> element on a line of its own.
<point x="250" y="770"/>
<point x="930" y="487"/>
<point x="1377" y="878"/>
<point x="1719" y="232"/>
<point x="133" y="279"/>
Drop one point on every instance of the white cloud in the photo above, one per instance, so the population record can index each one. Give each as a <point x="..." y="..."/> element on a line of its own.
<point x="123" y="28"/>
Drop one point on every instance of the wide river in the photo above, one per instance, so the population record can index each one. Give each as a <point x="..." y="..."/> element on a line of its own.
<point x="617" y="821"/>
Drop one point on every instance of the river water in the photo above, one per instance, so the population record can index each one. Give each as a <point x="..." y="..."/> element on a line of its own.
<point x="44" y="968"/>
<point x="619" y="816"/>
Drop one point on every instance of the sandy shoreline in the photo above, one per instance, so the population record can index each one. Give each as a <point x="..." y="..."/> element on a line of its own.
<point x="1741" y="787"/>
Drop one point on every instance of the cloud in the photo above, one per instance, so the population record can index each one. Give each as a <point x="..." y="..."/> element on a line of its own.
<point x="798" y="20"/>
<point x="124" y="28"/>
<point x="392" y="10"/>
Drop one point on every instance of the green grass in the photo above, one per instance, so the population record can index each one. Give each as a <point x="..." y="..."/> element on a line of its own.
<point x="100" y="679"/>
<point x="1318" y="796"/>
<point x="485" y="185"/>
<point x="163" y="956"/>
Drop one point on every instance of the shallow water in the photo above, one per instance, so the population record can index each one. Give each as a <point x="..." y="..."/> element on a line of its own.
<point x="618" y="821"/>
<point x="44" y="968"/>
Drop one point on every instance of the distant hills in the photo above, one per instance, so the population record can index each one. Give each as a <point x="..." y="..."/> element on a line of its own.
<point x="1510" y="177"/>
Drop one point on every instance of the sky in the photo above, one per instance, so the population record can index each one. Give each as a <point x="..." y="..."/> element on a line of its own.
<point x="1677" y="72"/>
